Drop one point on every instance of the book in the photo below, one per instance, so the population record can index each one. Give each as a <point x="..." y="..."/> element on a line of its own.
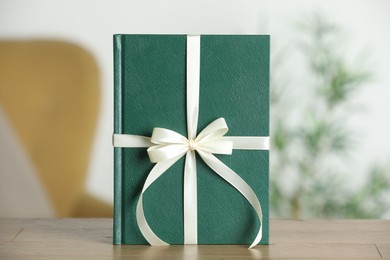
<point x="150" y="91"/>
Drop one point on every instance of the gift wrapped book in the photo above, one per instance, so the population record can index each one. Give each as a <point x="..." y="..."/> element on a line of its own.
<point x="191" y="139"/>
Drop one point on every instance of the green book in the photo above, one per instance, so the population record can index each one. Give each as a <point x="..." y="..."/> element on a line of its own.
<point x="150" y="91"/>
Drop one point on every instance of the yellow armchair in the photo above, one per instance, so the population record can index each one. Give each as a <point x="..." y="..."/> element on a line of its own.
<point x="50" y="93"/>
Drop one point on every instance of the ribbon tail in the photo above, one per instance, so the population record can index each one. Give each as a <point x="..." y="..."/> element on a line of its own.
<point x="143" y="225"/>
<point x="237" y="182"/>
<point x="190" y="200"/>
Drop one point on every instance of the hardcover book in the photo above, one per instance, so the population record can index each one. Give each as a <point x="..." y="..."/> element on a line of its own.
<point x="150" y="91"/>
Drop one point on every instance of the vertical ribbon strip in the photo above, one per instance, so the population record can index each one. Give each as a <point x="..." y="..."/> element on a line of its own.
<point x="165" y="147"/>
<point x="190" y="180"/>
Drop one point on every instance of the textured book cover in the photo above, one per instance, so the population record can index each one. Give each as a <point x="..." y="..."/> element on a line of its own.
<point x="150" y="91"/>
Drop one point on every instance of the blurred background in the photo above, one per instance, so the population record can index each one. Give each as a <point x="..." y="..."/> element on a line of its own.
<point x="330" y="92"/>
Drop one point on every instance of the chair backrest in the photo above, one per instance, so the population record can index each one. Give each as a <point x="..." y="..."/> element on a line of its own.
<point x="50" y="93"/>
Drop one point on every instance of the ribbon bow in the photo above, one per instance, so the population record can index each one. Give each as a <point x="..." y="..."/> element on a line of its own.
<point x="167" y="146"/>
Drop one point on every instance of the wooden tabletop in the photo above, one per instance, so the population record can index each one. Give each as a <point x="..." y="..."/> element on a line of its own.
<point x="290" y="239"/>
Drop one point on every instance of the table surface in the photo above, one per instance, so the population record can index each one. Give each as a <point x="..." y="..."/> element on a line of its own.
<point x="290" y="239"/>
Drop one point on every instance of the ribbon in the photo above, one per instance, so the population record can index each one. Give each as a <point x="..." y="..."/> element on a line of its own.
<point x="165" y="147"/>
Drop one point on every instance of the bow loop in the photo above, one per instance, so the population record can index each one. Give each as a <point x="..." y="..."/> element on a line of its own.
<point x="168" y="144"/>
<point x="166" y="136"/>
<point x="163" y="152"/>
<point x="214" y="131"/>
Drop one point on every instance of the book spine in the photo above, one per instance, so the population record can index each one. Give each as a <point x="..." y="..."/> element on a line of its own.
<point x="117" y="228"/>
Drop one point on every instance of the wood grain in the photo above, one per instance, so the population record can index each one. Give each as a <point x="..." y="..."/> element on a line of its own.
<point x="92" y="238"/>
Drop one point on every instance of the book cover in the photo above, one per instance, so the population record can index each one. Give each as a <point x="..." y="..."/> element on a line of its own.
<point x="150" y="91"/>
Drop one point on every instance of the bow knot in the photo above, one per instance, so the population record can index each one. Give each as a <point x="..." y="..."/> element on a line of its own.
<point x="192" y="145"/>
<point x="169" y="144"/>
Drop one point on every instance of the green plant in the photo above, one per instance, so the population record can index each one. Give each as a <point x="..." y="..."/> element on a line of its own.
<point x="311" y="137"/>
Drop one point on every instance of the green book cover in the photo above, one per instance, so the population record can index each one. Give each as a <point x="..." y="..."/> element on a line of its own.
<point x="150" y="91"/>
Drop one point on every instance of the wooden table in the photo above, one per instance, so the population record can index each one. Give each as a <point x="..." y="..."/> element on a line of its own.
<point x="92" y="238"/>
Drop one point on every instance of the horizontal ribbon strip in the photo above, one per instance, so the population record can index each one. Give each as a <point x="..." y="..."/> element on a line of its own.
<point x="239" y="142"/>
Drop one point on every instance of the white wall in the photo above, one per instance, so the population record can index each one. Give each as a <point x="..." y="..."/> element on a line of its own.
<point x="92" y="24"/>
<point x="365" y="26"/>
